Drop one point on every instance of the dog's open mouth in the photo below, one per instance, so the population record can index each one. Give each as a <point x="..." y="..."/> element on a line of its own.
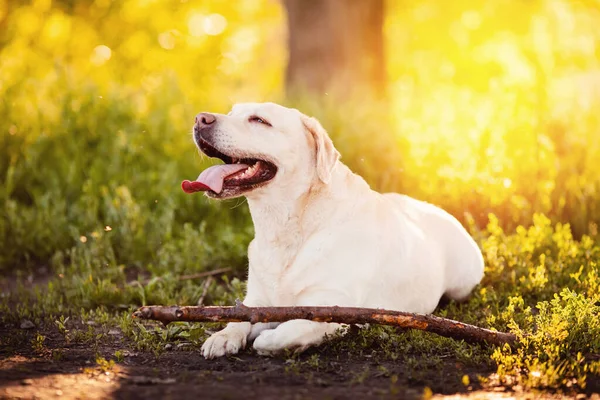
<point x="236" y="176"/>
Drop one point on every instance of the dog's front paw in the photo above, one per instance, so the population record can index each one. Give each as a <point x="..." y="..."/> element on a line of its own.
<point x="227" y="341"/>
<point x="272" y="341"/>
<point x="267" y="343"/>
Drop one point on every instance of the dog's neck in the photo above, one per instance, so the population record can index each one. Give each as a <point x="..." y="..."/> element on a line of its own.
<point x="299" y="214"/>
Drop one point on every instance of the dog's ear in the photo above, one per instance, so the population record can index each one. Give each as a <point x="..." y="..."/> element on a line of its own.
<point x="326" y="153"/>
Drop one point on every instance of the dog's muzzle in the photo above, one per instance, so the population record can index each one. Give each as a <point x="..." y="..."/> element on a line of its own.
<point x="204" y="127"/>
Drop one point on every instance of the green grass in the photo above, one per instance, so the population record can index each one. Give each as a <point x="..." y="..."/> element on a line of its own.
<point x="89" y="192"/>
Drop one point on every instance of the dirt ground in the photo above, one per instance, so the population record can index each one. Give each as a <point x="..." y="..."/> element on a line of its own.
<point x="71" y="371"/>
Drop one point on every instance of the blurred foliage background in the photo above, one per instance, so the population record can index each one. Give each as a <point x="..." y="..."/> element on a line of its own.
<point x="488" y="109"/>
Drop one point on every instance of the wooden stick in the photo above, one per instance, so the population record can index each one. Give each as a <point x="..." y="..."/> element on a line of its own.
<point x="345" y="315"/>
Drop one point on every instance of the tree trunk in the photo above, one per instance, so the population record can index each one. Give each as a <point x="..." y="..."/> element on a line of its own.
<point x="335" y="46"/>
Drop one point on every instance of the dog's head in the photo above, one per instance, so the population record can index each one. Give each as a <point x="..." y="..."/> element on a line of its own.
<point x="266" y="148"/>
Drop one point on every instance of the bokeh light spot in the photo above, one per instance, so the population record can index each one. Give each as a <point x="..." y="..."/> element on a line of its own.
<point x="196" y="25"/>
<point x="57" y="27"/>
<point x="100" y="55"/>
<point x="471" y="19"/>
<point x="214" y="24"/>
<point x="167" y="40"/>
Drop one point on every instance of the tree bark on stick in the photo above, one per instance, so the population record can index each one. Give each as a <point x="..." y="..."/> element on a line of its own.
<point x="345" y="315"/>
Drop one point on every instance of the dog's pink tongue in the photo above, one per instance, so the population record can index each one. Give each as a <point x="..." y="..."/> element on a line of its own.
<point x="212" y="178"/>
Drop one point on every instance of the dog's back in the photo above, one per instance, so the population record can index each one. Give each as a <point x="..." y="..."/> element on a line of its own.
<point x="461" y="255"/>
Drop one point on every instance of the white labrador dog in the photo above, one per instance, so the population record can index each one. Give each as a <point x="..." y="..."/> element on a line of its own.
<point x="323" y="237"/>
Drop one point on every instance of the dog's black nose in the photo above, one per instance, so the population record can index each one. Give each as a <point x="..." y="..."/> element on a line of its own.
<point x="205" y="119"/>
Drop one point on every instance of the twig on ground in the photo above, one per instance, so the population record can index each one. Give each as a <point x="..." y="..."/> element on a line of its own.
<point x="186" y="277"/>
<point x="205" y="288"/>
<point x="204" y="274"/>
<point x="346" y="315"/>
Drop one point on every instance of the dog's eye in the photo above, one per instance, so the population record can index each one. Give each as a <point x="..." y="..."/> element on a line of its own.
<point x="259" y="120"/>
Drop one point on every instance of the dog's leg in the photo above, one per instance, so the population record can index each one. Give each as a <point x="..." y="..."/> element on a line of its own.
<point x="297" y="334"/>
<point x="259" y="327"/>
<point x="227" y="341"/>
<point x="234" y="337"/>
<point x="300" y="334"/>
